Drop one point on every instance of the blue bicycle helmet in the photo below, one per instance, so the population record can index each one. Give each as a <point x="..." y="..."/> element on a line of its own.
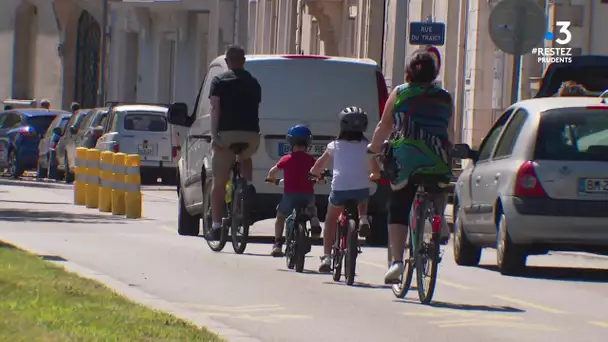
<point x="299" y="135"/>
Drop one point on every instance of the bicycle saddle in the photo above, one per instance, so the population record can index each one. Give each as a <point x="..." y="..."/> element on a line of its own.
<point x="239" y="147"/>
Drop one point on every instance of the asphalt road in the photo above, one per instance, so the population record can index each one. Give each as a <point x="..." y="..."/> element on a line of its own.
<point x="562" y="298"/>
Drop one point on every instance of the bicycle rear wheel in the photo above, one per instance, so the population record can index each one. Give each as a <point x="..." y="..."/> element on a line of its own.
<point x="338" y="256"/>
<point x="400" y="290"/>
<point x="240" y="216"/>
<point x="352" y="244"/>
<point x="300" y="254"/>
<point x="427" y="255"/>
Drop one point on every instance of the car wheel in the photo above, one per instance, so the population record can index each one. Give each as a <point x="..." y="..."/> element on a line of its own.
<point x="379" y="230"/>
<point x="510" y="258"/>
<point x="465" y="253"/>
<point x="14" y="168"/>
<point x="187" y="225"/>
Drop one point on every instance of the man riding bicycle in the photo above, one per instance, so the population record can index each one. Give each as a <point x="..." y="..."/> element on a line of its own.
<point x="235" y="99"/>
<point x="418" y="117"/>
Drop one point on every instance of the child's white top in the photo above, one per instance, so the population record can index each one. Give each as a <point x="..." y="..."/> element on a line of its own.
<point x="351" y="165"/>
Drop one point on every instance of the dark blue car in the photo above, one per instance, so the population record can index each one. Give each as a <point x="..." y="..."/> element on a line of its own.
<point x="20" y="133"/>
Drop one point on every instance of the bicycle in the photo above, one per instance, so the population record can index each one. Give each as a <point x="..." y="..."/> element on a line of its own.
<point x="238" y="204"/>
<point x="420" y="254"/>
<point x="298" y="239"/>
<point x="346" y="248"/>
<point x="423" y="256"/>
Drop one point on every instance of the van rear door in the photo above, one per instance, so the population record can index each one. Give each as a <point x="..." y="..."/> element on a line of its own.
<point x="146" y="133"/>
<point x="312" y="90"/>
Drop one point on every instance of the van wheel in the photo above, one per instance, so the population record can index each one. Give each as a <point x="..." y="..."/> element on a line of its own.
<point x="465" y="253"/>
<point x="187" y="225"/>
<point x="510" y="258"/>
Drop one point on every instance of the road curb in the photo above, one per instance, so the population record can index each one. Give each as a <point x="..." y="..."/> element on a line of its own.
<point x="155" y="303"/>
<point x="34" y="184"/>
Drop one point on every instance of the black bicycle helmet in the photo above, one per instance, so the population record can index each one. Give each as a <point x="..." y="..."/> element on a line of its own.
<point x="353" y="119"/>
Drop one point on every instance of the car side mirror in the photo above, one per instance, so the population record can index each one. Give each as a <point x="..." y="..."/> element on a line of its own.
<point x="73" y="130"/>
<point x="464" y="151"/>
<point x="178" y="115"/>
<point x="57" y="130"/>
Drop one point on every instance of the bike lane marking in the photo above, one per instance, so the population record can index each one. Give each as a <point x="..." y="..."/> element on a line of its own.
<point x="263" y="313"/>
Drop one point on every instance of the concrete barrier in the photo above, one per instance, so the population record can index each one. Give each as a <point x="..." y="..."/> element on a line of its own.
<point x="133" y="197"/>
<point x="106" y="181"/>
<point x="119" y="174"/>
<point x="81" y="176"/>
<point x="92" y="185"/>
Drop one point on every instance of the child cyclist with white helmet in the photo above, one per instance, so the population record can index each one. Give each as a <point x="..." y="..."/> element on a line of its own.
<point x="296" y="184"/>
<point x="350" y="177"/>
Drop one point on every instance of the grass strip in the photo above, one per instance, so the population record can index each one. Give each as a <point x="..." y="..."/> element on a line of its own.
<point x="42" y="302"/>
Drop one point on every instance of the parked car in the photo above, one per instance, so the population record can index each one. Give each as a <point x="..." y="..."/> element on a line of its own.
<point x="142" y="129"/>
<point x="590" y="71"/>
<point x="538" y="183"/>
<point x="47" y="161"/>
<point x="297" y="89"/>
<point x="20" y="132"/>
<point x="82" y="131"/>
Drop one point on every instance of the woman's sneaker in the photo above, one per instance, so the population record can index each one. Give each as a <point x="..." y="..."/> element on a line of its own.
<point x="325" y="266"/>
<point x="394" y="273"/>
<point x="277" y="250"/>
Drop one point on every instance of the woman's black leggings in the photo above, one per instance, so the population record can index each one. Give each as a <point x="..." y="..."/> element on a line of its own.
<point x="401" y="203"/>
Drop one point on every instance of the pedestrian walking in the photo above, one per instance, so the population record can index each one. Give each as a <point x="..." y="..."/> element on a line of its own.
<point x="74" y="107"/>
<point x="46" y="104"/>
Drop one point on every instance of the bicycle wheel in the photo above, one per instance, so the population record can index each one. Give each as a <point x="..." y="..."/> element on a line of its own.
<point x="290" y="249"/>
<point x="427" y="255"/>
<point x="214" y="245"/>
<point x="400" y="290"/>
<point x="352" y="244"/>
<point x="300" y="253"/>
<point x="337" y="256"/>
<point x="240" y="216"/>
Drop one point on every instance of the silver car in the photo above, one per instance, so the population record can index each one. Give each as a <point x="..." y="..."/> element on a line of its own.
<point x="538" y="183"/>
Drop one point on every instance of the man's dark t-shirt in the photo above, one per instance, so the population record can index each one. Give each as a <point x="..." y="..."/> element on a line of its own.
<point x="240" y="96"/>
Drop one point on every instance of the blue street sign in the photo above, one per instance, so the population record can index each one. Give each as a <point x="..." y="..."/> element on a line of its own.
<point x="427" y="33"/>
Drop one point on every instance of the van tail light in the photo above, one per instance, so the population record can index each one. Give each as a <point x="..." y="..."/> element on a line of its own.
<point x="526" y="182"/>
<point x="382" y="91"/>
<point x="116" y="148"/>
<point x="175" y="149"/>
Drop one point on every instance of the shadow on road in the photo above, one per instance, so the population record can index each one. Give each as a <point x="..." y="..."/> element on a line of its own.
<point x="466" y="307"/>
<point x="27" y="215"/>
<point x="596" y="275"/>
<point x="34" y="202"/>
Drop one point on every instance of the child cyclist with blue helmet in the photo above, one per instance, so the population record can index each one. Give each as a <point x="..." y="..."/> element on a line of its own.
<point x="296" y="185"/>
<point x="350" y="177"/>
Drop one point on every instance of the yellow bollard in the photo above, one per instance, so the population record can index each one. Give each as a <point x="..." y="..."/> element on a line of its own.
<point x="133" y="187"/>
<point x="92" y="187"/>
<point x="118" y="190"/>
<point x="106" y="181"/>
<point x="80" y="176"/>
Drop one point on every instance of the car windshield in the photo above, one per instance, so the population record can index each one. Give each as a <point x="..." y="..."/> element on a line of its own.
<point x="40" y="123"/>
<point x="576" y="134"/>
<point x="147" y="122"/>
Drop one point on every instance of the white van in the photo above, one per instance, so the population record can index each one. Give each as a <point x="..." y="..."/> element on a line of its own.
<point x="296" y="89"/>
<point x="144" y="130"/>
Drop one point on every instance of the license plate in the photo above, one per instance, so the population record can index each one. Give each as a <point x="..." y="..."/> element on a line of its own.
<point x="594" y="185"/>
<point x="144" y="149"/>
<point x="315" y="150"/>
